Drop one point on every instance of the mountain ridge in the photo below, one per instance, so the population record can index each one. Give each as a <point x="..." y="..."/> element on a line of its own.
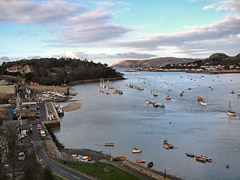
<point x="161" y="61"/>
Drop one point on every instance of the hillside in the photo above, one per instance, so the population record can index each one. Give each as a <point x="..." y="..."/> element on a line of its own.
<point x="52" y="71"/>
<point x="152" y="62"/>
<point x="222" y="59"/>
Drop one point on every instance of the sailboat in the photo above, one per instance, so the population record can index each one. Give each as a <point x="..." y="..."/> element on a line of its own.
<point x="230" y="112"/>
<point x="162" y="105"/>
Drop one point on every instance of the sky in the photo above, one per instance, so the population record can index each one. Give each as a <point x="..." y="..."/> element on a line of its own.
<point x="114" y="30"/>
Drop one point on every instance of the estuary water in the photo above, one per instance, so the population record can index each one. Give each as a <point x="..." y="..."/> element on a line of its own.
<point x="127" y="121"/>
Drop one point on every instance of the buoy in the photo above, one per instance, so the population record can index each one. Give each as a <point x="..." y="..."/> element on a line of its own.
<point x="227" y="166"/>
<point x="210" y="161"/>
<point x="175" y="147"/>
<point x="170" y="122"/>
<point x="185" y="152"/>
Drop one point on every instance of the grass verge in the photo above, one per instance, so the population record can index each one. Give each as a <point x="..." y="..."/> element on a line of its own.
<point x="56" y="177"/>
<point x="97" y="170"/>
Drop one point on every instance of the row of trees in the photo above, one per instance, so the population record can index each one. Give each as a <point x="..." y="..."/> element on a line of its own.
<point x="52" y="71"/>
<point x="11" y="167"/>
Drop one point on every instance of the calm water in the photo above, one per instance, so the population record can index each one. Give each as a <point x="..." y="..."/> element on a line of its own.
<point x="127" y="121"/>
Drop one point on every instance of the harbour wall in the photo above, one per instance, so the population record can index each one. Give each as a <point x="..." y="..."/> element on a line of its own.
<point x="42" y="88"/>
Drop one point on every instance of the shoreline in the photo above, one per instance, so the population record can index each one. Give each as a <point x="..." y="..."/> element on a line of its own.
<point x="99" y="156"/>
<point x="187" y="71"/>
<point x="72" y="107"/>
<point x="73" y="83"/>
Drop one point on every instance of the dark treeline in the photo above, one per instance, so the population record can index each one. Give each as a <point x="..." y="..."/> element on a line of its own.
<point x="52" y="71"/>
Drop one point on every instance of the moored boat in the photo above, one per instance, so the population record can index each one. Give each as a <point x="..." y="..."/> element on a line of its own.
<point x="203" y="103"/>
<point x="140" y="161"/>
<point x="147" y="102"/>
<point x="230" y="112"/>
<point x="150" y="165"/>
<point x="166" y="146"/>
<point x="168" y="98"/>
<point x="200" y="99"/>
<point x="189" y="154"/>
<point x="135" y="150"/>
<point x="155" y="94"/>
<point x="201" y="159"/>
<point x="109" y="144"/>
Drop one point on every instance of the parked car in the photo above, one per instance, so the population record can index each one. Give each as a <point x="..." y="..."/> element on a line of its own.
<point x="21" y="156"/>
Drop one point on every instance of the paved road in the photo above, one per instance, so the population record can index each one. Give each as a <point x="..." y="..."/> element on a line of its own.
<point x="64" y="172"/>
<point x="57" y="168"/>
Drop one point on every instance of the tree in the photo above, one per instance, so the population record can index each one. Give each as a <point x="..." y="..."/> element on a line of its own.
<point x="9" y="151"/>
<point x="47" y="173"/>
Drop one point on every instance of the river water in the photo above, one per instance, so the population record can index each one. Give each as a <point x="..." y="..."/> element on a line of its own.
<point x="127" y="121"/>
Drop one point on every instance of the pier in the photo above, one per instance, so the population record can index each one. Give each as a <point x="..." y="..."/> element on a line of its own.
<point x="52" y="119"/>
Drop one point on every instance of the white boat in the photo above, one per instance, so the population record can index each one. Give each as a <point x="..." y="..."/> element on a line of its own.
<point x="162" y="105"/>
<point x="203" y="103"/>
<point x="135" y="150"/>
<point x="147" y="102"/>
<point x="230" y="112"/>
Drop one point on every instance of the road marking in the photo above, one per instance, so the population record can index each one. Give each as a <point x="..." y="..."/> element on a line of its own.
<point x="75" y="177"/>
<point x="64" y="171"/>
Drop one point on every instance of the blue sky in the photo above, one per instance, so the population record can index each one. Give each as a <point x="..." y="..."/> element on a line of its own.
<point x="114" y="30"/>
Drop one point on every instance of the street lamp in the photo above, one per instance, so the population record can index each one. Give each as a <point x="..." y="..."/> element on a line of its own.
<point x="165" y="172"/>
<point x="110" y="155"/>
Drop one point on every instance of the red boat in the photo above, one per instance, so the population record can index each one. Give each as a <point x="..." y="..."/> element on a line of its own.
<point x="168" y="98"/>
<point x="200" y="99"/>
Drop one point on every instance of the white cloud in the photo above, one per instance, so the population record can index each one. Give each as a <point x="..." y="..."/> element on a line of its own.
<point x="209" y="7"/>
<point x="93" y="17"/>
<point x="192" y="1"/>
<point x="103" y="56"/>
<point x="106" y="4"/>
<point x="26" y="12"/>
<point x="91" y="33"/>
<point x="226" y="30"/>
<point x="229" y="5"/>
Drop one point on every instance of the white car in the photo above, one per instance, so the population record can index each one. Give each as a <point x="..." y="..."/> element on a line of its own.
<point x="21" y="156"/>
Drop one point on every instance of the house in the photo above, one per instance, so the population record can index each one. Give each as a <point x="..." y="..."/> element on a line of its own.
<point x="14" y="69"/>
<point x="27" y="69"/>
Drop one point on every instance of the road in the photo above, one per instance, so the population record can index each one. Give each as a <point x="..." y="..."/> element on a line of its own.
<point x="56" y="168"/>
<point x="59" y="169"/>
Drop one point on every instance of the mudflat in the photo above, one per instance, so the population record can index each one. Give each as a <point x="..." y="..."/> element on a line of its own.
<point x="72" y="107"/>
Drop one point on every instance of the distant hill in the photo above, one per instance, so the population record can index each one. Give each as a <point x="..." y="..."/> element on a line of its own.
<point x="222" y="59"/>
<point x="162" y="61"/>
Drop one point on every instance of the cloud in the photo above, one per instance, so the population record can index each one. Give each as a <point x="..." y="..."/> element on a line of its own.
<point x="209" y="7"/>
<point x="229" y="5"/>
<point x="91" y="33"/>
<point x="26" y="12"/>
<point x="93" y="17"/>
<point x="34" y="57"/>
<point x="75" y="25"/>
<point x="103" y="56"/>
<point x="198" y="38"/>
<point x="192" y="1"/>
<point x="132" y="55"/>
<point x="106" y="4"/>
<point x="4" y="58"/>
